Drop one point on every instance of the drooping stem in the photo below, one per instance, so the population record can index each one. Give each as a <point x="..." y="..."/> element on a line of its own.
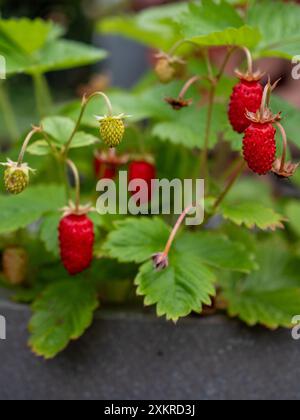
<point x="187" y="86"/>
<point x="85" y="102"/>
<point x="231" y="183"/>
<point x="8" y="114"/>
<point x="176" y="228"/>
<point x="249" y="59"/>
<point x="225" y="62"/>
<point x="75" y="172"/>
<point x="178" y="44"/>
<point x="285" y="146"/>
<point x="26" y="143"/>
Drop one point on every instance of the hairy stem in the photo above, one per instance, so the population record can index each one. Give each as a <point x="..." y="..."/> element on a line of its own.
<point x="176" y="228"/>
<point x="187" y="86"/>
<point x="85" y="102"/>
<point x="249" y="59"/>
<point x="26" y="143"/>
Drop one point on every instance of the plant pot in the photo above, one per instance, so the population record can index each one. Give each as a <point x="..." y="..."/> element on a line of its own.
<point x="130" y="355"/>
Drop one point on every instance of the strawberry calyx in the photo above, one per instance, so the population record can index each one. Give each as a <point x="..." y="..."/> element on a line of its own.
<point x="264" y="116"/>
<point x="250" y="76"/>
<point x="73" y="209"/>
<point x="284" y="171"/>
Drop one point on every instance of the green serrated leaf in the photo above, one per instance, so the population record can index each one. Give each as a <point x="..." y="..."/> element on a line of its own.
<point x="62" y="313"/>
<point x="252" y="215"/>
<point x="178" y="290"/>
<point x="280" y="35"/>
<point x="27" y="35"/>
<point x="136" y="240"/>
<point x="216" y="24"/>
<point x="270" y="296"/>
<point x="18" y="212"/>
<point x="217" y="251"/>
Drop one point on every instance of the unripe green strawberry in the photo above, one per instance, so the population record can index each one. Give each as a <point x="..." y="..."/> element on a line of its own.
<point x="169" y="68"/>
<point x="112" y="129"/>
<point x="16" y="177"/>
<point x="165" y="71"/>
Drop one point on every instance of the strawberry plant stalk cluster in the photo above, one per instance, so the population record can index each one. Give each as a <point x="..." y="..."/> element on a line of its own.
<point x="190" y="117"/>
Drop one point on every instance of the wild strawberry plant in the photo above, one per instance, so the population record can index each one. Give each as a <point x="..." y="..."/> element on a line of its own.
<point x="189" y="117"/>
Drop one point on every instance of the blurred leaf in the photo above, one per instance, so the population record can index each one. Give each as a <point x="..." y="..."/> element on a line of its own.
<point x="217" y="24"/>
<point x="270" y="296"/>
<point x="280" y="33"/>
<point x="66" y="54"/>
<point x="178" y="290"/>
<point x="49" y="232"/>
<point x="29" y="36"/>
<point x="62" y="313"/>
<point x="32" y="46"/>
<point x="17" y="212"/>
<point x="252" y="215"/>
<point x="293" y="215"/>
<point x="150" y="27"/>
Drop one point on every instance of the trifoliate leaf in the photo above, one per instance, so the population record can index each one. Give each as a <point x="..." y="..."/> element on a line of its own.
<point x="252" y="215"/>
<point x="62" y="313"/>
<point x="270" y="296"/>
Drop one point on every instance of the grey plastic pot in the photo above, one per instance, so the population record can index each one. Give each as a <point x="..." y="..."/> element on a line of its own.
<point x="130" y="355"/>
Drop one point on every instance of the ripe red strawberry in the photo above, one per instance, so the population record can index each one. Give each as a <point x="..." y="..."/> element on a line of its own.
<point x="76" y="237"/>
<point x="246" y="96"/>
<point x="145" y="171"/>
<point x="259" y="147"/>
